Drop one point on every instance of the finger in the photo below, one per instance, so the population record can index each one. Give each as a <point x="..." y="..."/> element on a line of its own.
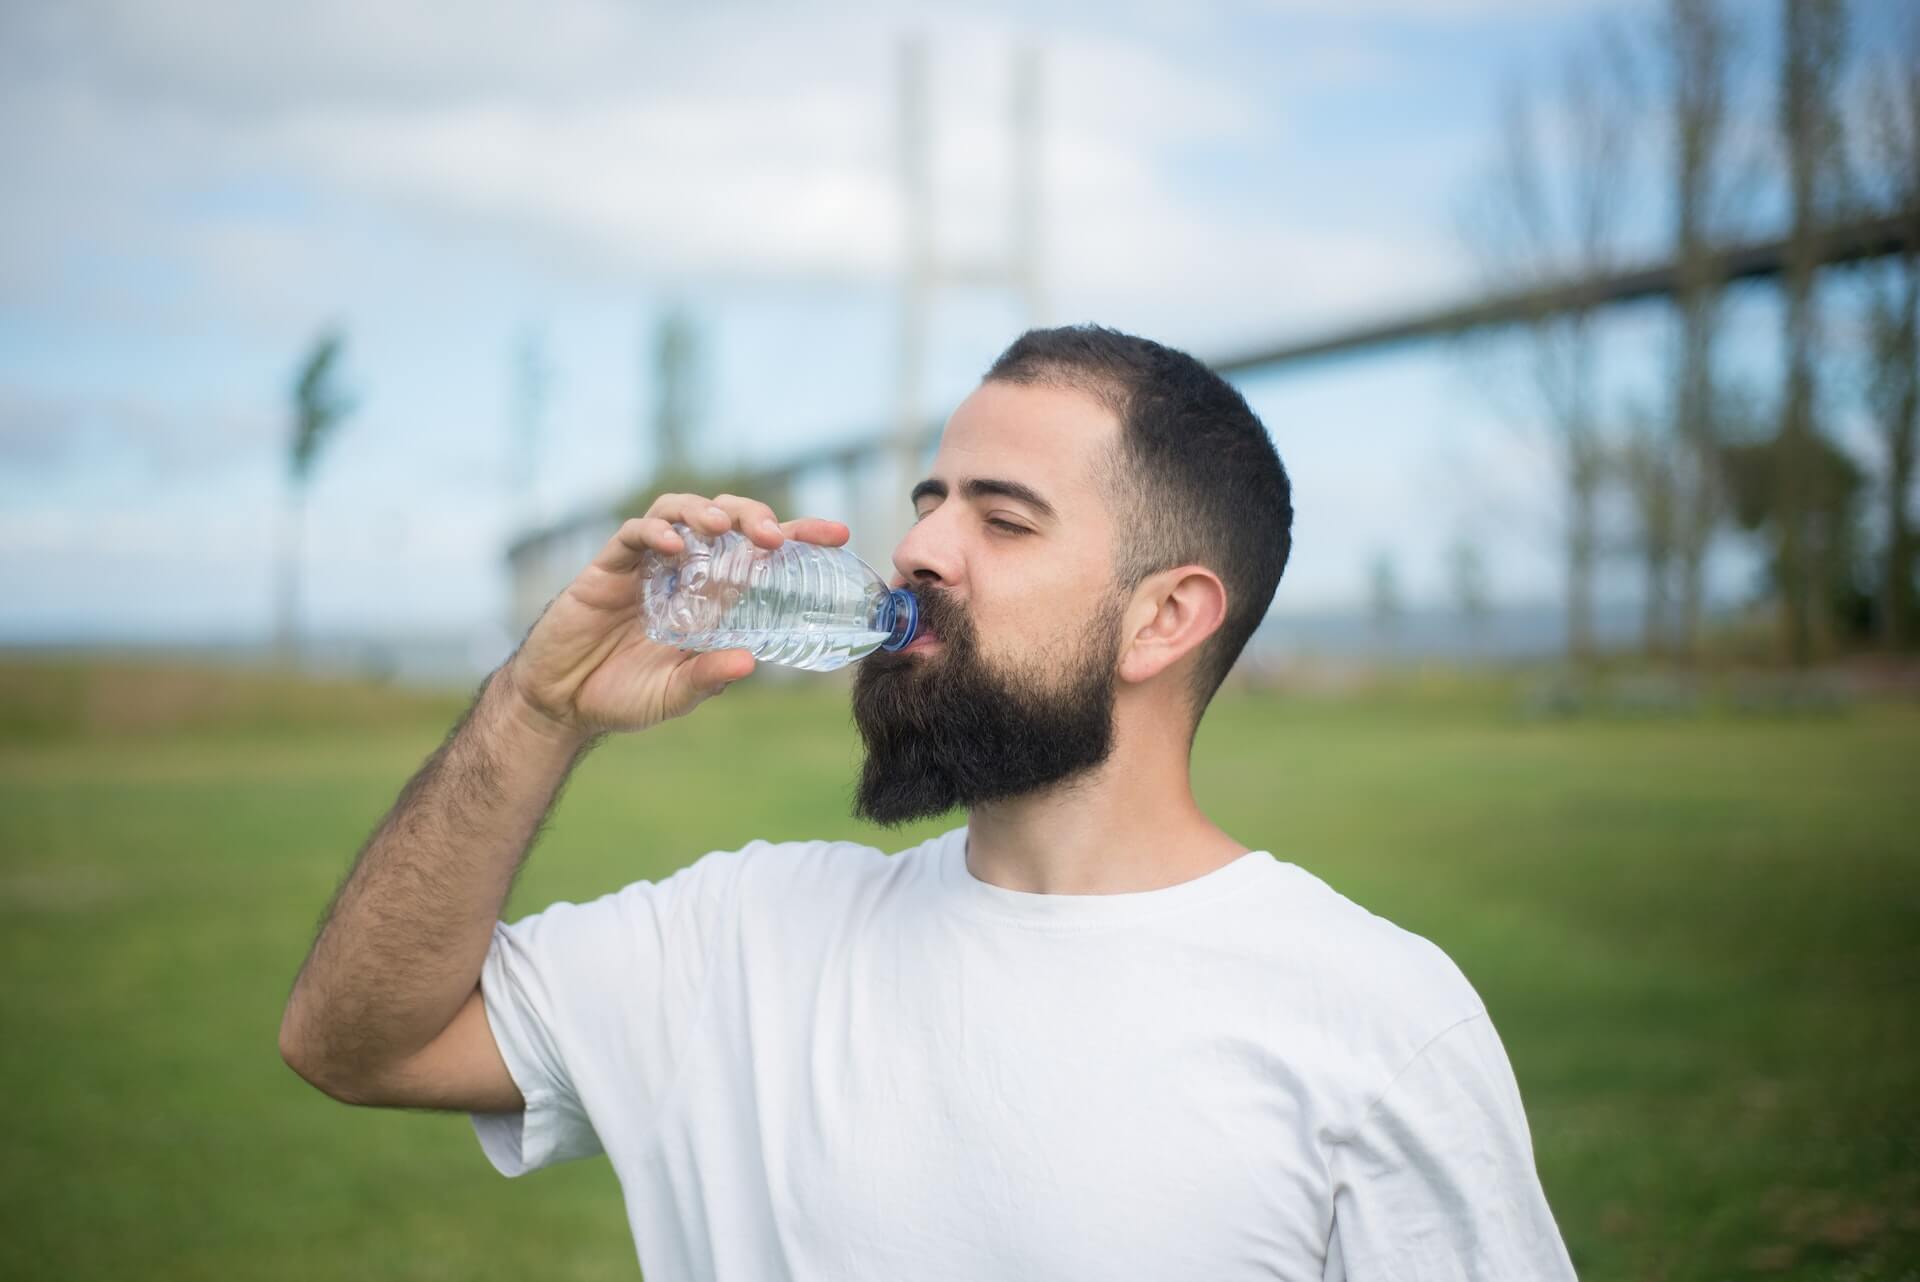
<point x="813" y="529"/>
<point x="692" y="510"/>
<point x="752" y="518"/>
<point x="710" y="673"/>
<point x="634" y="539"/>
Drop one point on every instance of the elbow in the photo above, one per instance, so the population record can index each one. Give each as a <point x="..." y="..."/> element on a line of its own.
<point x="299" y="1054"/>
<point x="293" y="1052"/>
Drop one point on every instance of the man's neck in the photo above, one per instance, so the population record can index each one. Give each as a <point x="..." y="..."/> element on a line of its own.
<point x="1130" y="825"/>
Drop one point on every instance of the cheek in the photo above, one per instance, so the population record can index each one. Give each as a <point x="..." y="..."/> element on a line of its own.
<point x="1040" y="602"/>
<point x="1042" y="628"/>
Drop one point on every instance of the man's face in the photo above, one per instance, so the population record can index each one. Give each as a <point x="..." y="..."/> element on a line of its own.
<point x="1012" y="687"/>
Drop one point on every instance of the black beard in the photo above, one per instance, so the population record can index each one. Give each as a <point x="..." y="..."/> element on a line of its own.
<point x="942" y="729"/>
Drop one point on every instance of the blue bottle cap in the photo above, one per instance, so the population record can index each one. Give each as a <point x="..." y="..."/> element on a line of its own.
<point x="901" y="615"/>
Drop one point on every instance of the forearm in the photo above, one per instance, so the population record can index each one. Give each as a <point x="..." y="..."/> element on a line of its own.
<point x="405" y="937"/>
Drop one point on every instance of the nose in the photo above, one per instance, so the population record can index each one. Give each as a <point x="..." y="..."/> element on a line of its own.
<point x="928" y="553"/>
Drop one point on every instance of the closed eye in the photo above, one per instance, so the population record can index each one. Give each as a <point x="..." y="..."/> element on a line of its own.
<point x="1010" y="527"/>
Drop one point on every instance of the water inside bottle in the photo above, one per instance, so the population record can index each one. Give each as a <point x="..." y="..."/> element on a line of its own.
<point x="821" y="651"/>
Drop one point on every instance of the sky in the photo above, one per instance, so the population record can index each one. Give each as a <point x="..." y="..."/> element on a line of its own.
<point x="197" y="189"/>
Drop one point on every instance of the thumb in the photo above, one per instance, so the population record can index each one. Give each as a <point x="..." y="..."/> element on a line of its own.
<point x="709" y="673"/>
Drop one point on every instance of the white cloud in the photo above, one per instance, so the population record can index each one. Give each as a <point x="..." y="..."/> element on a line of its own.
<point x="42" y="434"/>
<point x="669" y="187"/>
<point x="731" y="144"/>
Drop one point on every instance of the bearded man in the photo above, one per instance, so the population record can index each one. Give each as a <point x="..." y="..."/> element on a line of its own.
<point x="1087" y="1035"/>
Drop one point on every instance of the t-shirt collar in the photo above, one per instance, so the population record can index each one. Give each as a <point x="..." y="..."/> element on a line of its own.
<point x="985" y="898"/>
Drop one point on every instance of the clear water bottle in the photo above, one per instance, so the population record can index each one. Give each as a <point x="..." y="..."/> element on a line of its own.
<point x="800" y="604"/>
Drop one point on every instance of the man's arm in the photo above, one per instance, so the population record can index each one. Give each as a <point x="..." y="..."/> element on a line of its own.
<point x="387" y="1009"/>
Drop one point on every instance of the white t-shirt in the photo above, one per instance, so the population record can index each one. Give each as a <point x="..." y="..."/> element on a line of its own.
<point x="811" y="1060"/>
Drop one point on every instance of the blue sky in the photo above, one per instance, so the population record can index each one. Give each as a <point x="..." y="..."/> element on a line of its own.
<point x="195" y="189"/>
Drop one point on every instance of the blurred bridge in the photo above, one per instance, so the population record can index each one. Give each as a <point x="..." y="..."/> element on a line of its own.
<point x="545" y="560"/>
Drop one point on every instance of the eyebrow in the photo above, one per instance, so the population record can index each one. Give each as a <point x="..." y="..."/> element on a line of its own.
<point x="978" y="487"/>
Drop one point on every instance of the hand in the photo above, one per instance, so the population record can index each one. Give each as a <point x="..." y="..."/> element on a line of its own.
<point x="588" y="665"/>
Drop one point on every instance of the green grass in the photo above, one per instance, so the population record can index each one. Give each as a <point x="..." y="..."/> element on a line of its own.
<point x="1698" y="936"/>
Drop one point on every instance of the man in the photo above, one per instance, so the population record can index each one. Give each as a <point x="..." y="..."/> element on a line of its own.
<point x="1087" y="1035"/>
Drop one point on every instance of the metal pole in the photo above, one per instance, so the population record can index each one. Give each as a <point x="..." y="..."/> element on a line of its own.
<point x="1026" y="247"/>
<point x="916" y="205"/>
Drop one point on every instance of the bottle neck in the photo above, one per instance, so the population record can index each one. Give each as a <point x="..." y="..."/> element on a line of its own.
<point x="899" y="618"/>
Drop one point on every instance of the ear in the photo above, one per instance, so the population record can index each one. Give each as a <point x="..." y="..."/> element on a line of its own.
<point x="1172" y="612"/>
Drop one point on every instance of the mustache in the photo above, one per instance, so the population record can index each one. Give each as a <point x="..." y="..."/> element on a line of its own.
<point x="940" y="613"/>
<point x="941" y="616"/>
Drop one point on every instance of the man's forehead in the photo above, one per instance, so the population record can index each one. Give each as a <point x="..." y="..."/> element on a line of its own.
<point x="1049" y="438"/>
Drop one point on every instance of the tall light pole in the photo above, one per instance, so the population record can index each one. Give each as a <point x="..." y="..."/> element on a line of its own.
<point x="923" y="269"/>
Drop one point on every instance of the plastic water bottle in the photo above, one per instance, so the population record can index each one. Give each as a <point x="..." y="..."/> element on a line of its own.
<point x="800" y="604"/>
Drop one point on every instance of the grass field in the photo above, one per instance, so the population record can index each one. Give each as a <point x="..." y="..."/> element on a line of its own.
<point x="1699" y="938"/>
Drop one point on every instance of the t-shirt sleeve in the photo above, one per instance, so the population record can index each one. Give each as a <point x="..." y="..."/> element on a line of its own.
<point x="1437" y="1180"/>
<point x="592" y="1005"/>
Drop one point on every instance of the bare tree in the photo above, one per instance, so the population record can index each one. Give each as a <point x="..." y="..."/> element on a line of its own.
<point x="1813" y="42"/>
<point x="1542" y="221"/>
<point x="1384" y="606"/>
<point x="1697" y="40"/>
<point x="676" y="426"/>
<point x="1653" y="468"/>
<point x="676" y="360"/>
<point x="1467" y="583"/>
<point x="531" y="375"/>
<point x="1890" y="138"/>
<point x="319" y="405"/>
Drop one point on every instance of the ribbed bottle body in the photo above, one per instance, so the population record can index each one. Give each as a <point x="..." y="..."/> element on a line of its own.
<point x="800" y="605"/>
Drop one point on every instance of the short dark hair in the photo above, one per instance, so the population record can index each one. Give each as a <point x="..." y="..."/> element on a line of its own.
<point x="1195" y="478"/>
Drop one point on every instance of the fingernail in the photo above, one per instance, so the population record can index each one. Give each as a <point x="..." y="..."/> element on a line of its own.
<point x="716" y="513"/>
